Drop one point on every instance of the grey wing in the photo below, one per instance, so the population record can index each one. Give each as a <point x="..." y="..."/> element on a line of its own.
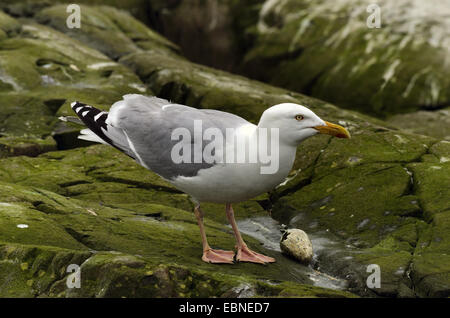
<point x="149" y="122"/>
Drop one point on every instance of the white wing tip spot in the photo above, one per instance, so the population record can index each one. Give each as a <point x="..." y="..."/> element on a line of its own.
<point x="99" y="115"/>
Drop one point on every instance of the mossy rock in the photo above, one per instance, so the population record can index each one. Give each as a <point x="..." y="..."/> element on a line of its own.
<point x="321" y="49"/>
<point x="203" y="87"/>
<point x="395" y="212"/>
<point x="383" y="192"/>
<point x="108" y="30"/>
<point x="41" y="271"/>
<point x="327" y="50"/>
<point x="139" y="8"/>
<point x="431" y="123"/>
<point x="43" y="70"/>
<point x="33" y="269"/>
<point x="135" y="249"/>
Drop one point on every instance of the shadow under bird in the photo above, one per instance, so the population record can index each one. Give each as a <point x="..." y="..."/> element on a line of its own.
<point x="143" y="127"/>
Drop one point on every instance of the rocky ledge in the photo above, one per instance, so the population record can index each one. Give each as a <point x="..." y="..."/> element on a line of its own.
<point x="379" y="198"/>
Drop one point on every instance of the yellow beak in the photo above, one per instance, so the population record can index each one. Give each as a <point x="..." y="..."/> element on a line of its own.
<point x="333" y="130"/>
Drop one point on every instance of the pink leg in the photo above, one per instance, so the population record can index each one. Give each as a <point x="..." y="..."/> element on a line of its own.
<point x="210" y="255"/>
<point x="244" y="254"/>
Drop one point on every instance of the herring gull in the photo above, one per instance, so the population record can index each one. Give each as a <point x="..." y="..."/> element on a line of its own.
<point x="211" y="155"/>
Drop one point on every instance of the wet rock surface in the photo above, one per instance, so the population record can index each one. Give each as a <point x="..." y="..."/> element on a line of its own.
<point x="379" y="198"/>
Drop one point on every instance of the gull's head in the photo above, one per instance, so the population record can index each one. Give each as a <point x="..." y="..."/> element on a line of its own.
<point x="296" y="123"/>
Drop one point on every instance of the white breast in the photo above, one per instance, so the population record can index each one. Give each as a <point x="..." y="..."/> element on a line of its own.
<point x="229" y="183"/>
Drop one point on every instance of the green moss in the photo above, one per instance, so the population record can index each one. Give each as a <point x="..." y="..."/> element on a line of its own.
<point x="110" y="31"/>
<point x="26" y="8"/>
<point x="441" y="150"/>
<point x="368" y="147"/>
<point x="351" y="202"/>
<point x="119" y="275"/>
<point x="8" y="24"/>
<point x="431" y="183"/>
<point x="430" y="123"/>
<point x="431" y="260"/>
<point x="308" y="46"/>
<point x="44" y="266"/>
<point x="29" y="146"/>
<point x="23" y="224"/>
<point x="157" y="233"/>
<point x="159" y="227"/>
<point x="199" y="86"/>
<point x="382" y="192"/>
<point x="43" y="70"/>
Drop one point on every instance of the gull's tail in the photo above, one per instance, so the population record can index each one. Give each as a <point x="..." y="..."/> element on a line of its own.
<point x="98" y="129"/>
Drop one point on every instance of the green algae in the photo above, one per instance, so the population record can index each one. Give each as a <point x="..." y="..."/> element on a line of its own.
<point x="325" y="49"/>
<point x="383" y="191"/>
<point x="43" y="70"/>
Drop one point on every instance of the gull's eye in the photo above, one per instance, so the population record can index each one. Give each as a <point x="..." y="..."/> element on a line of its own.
<point x="299" y="117"/>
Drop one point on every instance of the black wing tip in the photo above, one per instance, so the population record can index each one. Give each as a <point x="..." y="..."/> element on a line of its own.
<point x="93" y="118"/>
<point x="76" y="106"/>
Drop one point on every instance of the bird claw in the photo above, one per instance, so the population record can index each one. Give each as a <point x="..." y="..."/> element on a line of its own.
<point x="218" y="256"/>
<point x="244" y="254"/>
